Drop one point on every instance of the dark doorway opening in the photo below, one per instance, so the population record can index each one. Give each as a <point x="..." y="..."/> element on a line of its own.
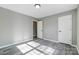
<point x="34" y="29"/>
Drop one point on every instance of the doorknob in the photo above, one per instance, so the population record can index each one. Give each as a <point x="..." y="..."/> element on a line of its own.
<point x="59" y="30"/>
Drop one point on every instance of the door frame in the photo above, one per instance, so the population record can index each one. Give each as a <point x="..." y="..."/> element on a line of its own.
<point x="32" y="25"/>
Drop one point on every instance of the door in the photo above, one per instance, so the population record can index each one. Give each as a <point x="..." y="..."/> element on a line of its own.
<point x="39" y="29"/>
<point x="65" y="29"/>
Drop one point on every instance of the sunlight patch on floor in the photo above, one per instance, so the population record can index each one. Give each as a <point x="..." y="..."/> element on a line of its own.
<point x="46" y="49"/>
<point x="34" y="52"/>
<point x="24" y="48"/>
<point x="33" y="44"/>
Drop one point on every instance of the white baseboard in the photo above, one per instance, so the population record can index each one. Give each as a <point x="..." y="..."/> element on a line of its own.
<point x="58" y="42"/>
<point x="51" y="40"/>
<point x="14" y="43"/>
<point x="77" y="49"/>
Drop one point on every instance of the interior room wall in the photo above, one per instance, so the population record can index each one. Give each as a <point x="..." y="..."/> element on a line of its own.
<point x="78" y="28"/>
<point x="50" y="26"/>
<point x="14" y="27"/>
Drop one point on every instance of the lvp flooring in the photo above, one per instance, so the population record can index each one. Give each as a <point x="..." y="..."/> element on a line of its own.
<point x="39" y="47"/>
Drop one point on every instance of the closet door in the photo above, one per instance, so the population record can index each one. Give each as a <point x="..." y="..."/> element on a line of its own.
<point x="65" y="29"/>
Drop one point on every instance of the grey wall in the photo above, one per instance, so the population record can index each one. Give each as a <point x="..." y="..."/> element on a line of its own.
<point x="50" y="26"/>
<point x="14" y="27"/>
<point x="78" y="28"/>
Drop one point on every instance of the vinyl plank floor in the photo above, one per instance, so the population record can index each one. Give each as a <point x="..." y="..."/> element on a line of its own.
<point x="40" y="47"/>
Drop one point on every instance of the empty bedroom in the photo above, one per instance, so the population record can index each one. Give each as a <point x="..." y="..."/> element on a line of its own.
<point x="39" y="29"/>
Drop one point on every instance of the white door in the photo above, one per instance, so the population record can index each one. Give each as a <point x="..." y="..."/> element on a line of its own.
<point x="65" y="29"/>
<point x="39" y="29"/>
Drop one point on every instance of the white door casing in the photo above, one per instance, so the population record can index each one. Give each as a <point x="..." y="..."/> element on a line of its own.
<point x="39" y="29"/>
<point x="65" y="29"/>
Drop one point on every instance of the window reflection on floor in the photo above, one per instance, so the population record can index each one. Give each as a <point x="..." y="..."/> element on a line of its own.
<point x="46" y="49"/>
<point x="34" y="52"/>
<point x="24" y="48"/>
<point x="34" y="48"/>
<point x="33" y="44"/>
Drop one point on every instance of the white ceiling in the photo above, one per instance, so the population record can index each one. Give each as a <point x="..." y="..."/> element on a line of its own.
<point x="45" y="10"/>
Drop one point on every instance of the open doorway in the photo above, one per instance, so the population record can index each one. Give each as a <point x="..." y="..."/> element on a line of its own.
<point x="34" y="29"/>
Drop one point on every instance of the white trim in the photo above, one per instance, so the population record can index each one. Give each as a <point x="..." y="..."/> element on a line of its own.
<point x="51" y="40"/>
<point x="14" y="43"/>
<point x="77" y="49"/>
<point x="35" y="20"/>
<point x="58" y="42"/>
